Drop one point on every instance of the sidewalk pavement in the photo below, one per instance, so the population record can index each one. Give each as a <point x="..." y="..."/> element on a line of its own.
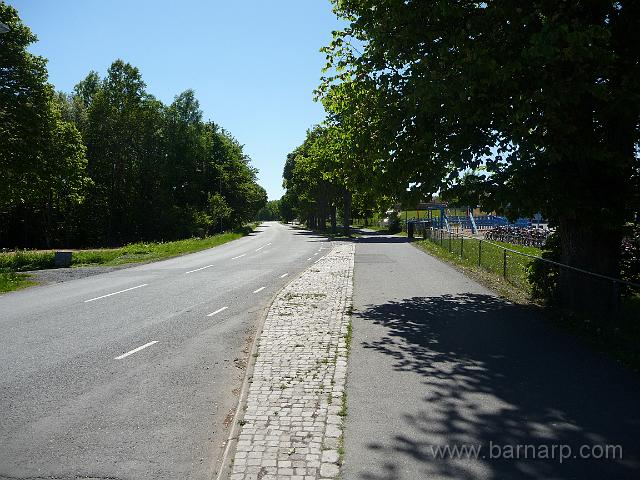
<point x="291" y="428"/>
<point x="438" y="360"/>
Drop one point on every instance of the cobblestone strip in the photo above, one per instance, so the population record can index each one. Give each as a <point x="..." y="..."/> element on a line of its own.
<point x="292" y="425"/>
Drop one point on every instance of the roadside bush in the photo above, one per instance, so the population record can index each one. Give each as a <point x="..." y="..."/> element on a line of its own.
<point x="394" y="222"/>
<point x="543" y="276"/>
<point x="630" y="256"/>
<point x="22" y="260"/>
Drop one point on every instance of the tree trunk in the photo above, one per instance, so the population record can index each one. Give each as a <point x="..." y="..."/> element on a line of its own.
<point x="333" y="219"/>
<point x="347" y="213"/>
<point x="596" y="250"/>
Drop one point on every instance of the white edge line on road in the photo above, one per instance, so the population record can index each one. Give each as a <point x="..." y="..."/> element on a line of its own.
<point x="284" y="275"/>
<point x="115" y="293"/>
<point x="239" y="256"/>
<point x="131" y="352"/>
<point x="217" y="311"/>
<point x="198" y="269"/>
<point x="265" y="245"/>
<point x="259" y="290"/>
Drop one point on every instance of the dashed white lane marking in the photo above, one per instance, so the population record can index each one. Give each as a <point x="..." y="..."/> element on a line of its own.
<point x="239" y="256"/>
<point x="259" y="290"/>
<point x="217" y="311"/>
<point x="308" y="258"/>
<point x="115" y="293"/>
<point x="284" y="275"/>
<point x="198" y="269"/>
<point x="315" y="254"/>
<point x="265" y="245"/>
<point x="131" y="352"/>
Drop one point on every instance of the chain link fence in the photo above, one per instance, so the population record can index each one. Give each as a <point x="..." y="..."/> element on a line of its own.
<point x="513" y="266"/>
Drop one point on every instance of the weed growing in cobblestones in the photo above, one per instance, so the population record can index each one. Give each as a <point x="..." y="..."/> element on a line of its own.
<point x="341" y="450"/>
<point x="349" y="336"/>
<point x="343" y="409"/>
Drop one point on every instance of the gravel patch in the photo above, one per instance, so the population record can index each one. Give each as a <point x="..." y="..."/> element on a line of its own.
<point x="59" y="275"/>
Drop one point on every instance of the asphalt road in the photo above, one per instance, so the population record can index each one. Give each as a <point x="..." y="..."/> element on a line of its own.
<point x="439" y="361"/>
<point x="84" y="391"/>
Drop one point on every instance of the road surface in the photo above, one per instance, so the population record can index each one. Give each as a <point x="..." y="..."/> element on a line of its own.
<point x="438" y="361"/>
<point x="134" y="374"/>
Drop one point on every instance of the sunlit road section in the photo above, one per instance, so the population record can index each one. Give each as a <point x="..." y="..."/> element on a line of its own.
<point x="134" y="374"/>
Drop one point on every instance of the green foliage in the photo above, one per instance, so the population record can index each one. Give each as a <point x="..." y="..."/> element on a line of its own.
<point x="630" y="255"/>
<point x="13" y="281"/>
<point x="517" y="106"/>
<point x="394" y="222"/>
<point x="544" y="277"/>
<point x="287" y="207"/>
<point x="314" y="179"/>
<point x="24" y="260"/>
<point x="109" y="164"/>
<point x="42" y="156"/>
<point x="271" y="211"/>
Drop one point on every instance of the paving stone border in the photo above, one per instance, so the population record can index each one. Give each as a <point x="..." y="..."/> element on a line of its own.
<point x="292" y="425"/>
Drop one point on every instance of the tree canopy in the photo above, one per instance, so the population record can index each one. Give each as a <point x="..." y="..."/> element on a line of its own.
<point x="109" y="163"/>
<point x="519" y="107"/>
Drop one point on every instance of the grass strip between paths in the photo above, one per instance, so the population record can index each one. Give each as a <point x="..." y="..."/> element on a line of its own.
<point x="620" y="344"/>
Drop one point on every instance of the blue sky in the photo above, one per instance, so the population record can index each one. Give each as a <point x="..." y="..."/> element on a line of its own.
<point x="252" y="63"/>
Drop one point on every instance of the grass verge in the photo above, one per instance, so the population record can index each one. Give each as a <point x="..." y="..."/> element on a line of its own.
<point x="486" y="274"/>
<point x="10" y="281"/>
<point x="21" y="261"/>
<point x="617" y="339"/>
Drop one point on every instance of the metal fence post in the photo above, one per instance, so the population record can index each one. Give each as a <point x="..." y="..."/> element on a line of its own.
<point x="462" y="246"/>
<point x="479" y="253"/>
<point x="504" y="265"/>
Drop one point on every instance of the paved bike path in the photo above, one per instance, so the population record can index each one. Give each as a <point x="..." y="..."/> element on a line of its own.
<point x="437" y="360"/>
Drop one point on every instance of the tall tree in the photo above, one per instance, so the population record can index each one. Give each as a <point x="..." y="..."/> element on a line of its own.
<point x="544" y="93"/>
<point x="42" y="157"/>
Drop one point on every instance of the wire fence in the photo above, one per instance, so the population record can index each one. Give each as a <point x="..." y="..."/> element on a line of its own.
<point x="513" y="266"/>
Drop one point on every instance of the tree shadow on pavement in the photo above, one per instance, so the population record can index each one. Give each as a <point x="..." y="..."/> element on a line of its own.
<point x="493" y="372"/>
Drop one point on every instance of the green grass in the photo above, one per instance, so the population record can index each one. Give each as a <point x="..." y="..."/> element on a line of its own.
<point x="487" y="257"/>
<point x="413" y="214"/>
<point x="618" y="339"/>
<point x="13" y="281"/>
<point x="144" y="252"/>
<point x="21" y="261"/>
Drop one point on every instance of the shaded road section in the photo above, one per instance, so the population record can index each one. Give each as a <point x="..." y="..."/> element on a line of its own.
<point x="439" y="362"/>
<point x="134" y="374"/>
